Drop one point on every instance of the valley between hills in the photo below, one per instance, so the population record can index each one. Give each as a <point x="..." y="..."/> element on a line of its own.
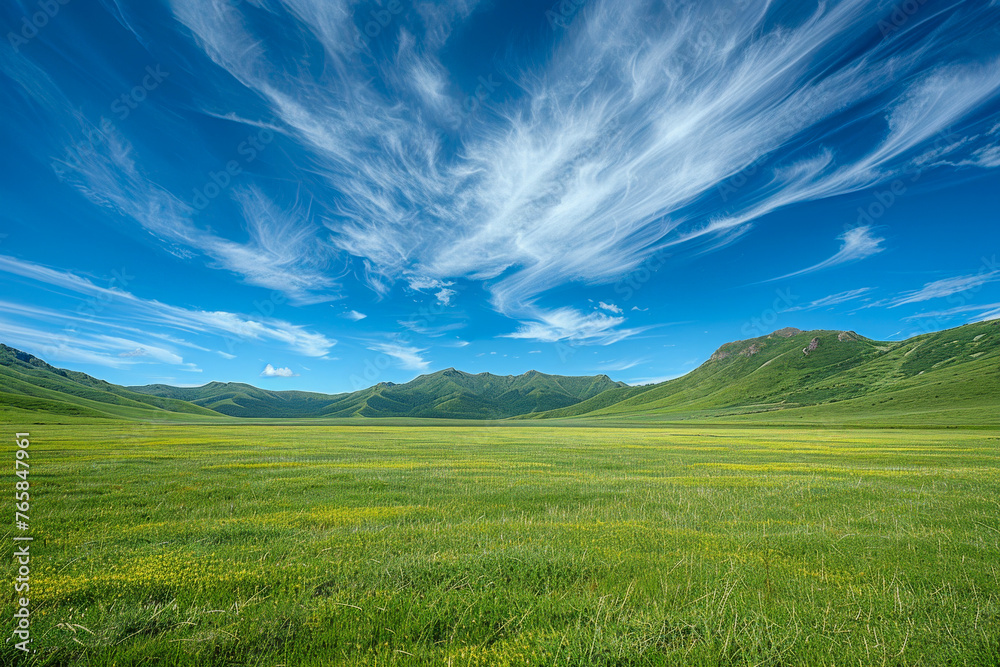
<point x="946" y="378"/>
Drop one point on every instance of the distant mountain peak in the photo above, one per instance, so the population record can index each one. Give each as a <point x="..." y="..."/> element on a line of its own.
<point x="787" y="332"/>
<point x="21" y="355"/>
<point x="950" y="376"/>
<point x="753" y="346"/>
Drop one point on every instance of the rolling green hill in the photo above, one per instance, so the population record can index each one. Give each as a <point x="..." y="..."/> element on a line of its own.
<point x="236" y="399"/>
<point x="449" y="393"/>
<point x="28" y="384"/>
<point x="950" y="376"/>
<point x="790" y="376"/>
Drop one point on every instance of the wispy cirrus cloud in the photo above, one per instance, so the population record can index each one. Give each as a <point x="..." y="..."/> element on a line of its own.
<point x="442" y="289"/>
<point x="122" y="309"/>
<point x="597" y="138"/>
<point x="833" y="299"/>
<point x="568" y="324"/>
<point x="610" y="148"/>
<point x="620" y="365"/>
<point x="982" y="312"/>
<point x="89" y="347"/>
<point x="407" y="357"/>
<point x="353" y="316"/>
<point x="283" y="253"/>
<point x="425" y="328"/>
<point x="856" y="244"/>
<point x="638" y="382"/>
<point x="610" y="307"/>
<point x="944" y="287"/>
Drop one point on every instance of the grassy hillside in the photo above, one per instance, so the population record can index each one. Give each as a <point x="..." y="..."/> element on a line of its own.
<point x="29" y="385"/>
<point x="243" y="400"/>
<point x="456" y="394"/>
<point x="449" y="393"/>
<point x="827" y="376"/>
<point x="796" y="377"/>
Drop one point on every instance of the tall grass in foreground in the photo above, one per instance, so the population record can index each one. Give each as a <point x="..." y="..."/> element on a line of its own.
<point x="368" y="545"/>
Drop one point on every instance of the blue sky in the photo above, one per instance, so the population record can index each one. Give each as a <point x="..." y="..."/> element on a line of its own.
<point x="325" y="194"/>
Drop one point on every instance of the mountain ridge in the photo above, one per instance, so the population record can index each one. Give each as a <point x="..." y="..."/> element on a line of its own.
<point x="30" y="383"/>
<point x="445" y="393"/>
<point x="810" y="371"/>
<point x="788" y="374"/>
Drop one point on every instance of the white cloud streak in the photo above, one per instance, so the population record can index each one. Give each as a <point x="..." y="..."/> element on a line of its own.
<point x="833" y="299"/>
<point x="610" y="307"/>
<point x="944" y="287"/>
<point x="81" y="346"/>
<point x="856" y="244"/>
<point x="120" y="306"/>
<point x="354" y="316"/>
<point x="568" y="324"/>
<point x="983" y="312"/>
<point x="283" y="253"/>
<point x="622" y="365"/>
<point x="407" y="357"/>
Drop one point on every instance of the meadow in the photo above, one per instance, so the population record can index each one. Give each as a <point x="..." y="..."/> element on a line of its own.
<point x="308" y="545"/>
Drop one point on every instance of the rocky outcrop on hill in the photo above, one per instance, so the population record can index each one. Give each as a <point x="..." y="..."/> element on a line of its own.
<point x="787" y="332"/>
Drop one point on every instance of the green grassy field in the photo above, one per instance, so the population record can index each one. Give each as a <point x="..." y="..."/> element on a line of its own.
<point x="465" y="545"/>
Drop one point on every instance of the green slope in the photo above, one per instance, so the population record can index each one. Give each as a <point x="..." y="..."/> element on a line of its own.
<point x="950" y="376"/>
<point x="29" y="384"/>
<point x="243" y="400"/>
<point x="453" y="393"/>
<point x="449" y="393"/>
<point x="946" y="378"/>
